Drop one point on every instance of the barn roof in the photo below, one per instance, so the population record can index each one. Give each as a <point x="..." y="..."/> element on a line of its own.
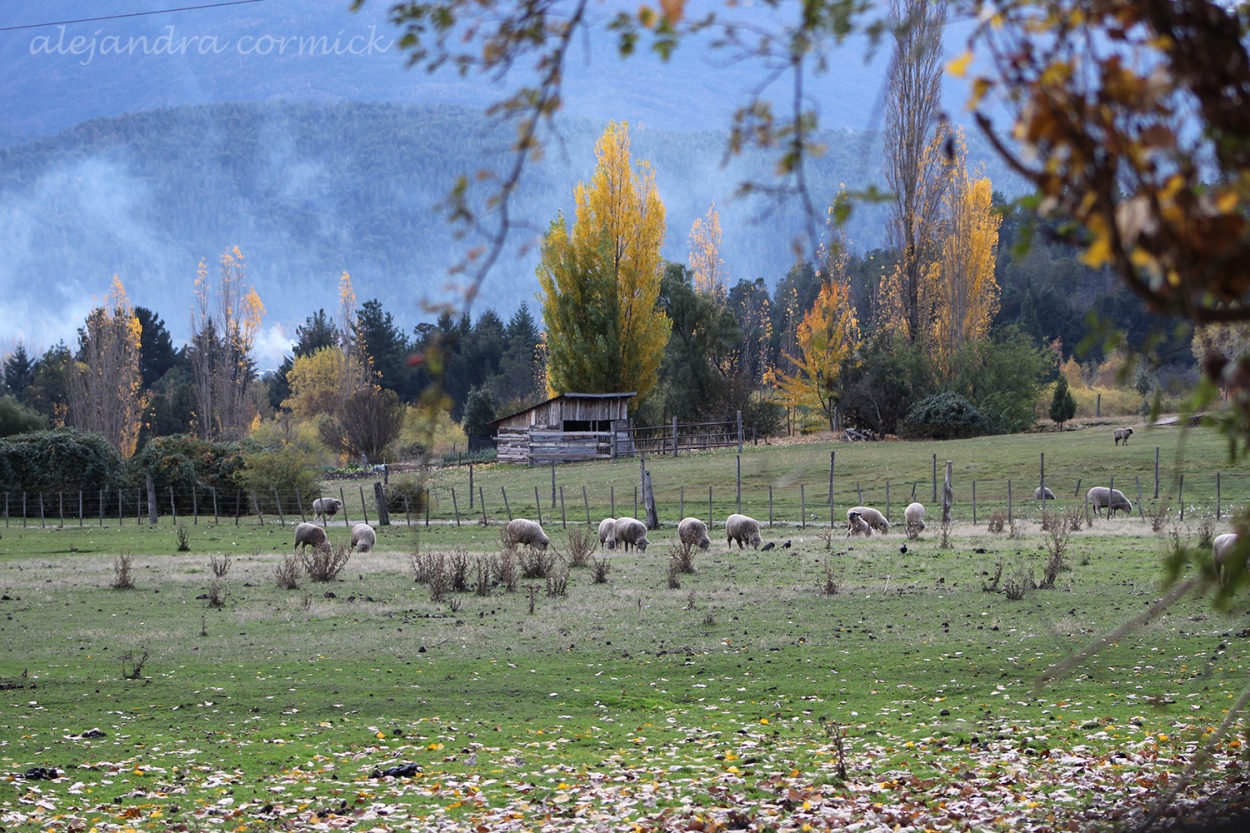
<point x="621" y="395"/>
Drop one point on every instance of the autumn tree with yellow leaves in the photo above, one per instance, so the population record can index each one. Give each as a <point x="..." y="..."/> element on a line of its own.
<point x="827" y="339"/>
<point x="706" y="265"/>
<point x="105" y="385"/>
<point x="224" y="324"/>
<point x="601" y="280"/>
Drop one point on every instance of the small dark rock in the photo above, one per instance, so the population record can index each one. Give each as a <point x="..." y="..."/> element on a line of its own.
<point x="39" y="773"/>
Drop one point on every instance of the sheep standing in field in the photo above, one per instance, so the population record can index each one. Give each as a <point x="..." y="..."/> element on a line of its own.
<point x="1043" y="493"/>
<point x="693" y="533"/>
<point x="913" y="519"/>
<point x="1101" y="497"/>
<point x="527" y="532"/>
<point x="307" y="535"/>
<point x="742" y="529"/>
<point x="856" y="525"/>
<point x="326" y="507"/>
<point x="1122" y="434"/>
<point x="631" y="532"/>
<point x="1222" y="549"/>
<point x="607" y="533"/>
<point x="363" y="538"/>
<point x="872" y="517"/>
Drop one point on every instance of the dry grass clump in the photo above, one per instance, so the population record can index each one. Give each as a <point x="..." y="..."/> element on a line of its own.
<point x="997" y="522"/>
<point x="287" y="571"/>
<point x="582" y="545"/>
<point x="219" y="565"/>
<point x="599" y="570"/>
<point x="535" y="563"/>
<point x="123" y="572"/>
<point x="326" y="562"/>
<point x="506" y="570"/>
<point x="830" y="585"/>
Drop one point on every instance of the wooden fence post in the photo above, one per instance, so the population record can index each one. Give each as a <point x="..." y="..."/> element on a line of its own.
<point x="60" y="509"/>
<point x="586" y="504"/>
<point x="832" y="455"/>
<point x="379" y="495"/>
<point x="173" y="507"/>
<point x="343" y="499"/>
<point x="948" y="492"/>
<point x="1180" y="495"/>
<point x="887" y="498"/>
<point x="802" y="507"/>
<point x="553" y="485"/>
<point x="256" y="506"/>
<point x="1042" y="484"/>
<point x="538" y="503"/>
<point x="151" y="500"/>
<point x="935" y="478"/>
<point x="564" y="522"/>
<point x="1217" y="496"/>
<point x="709" y="507"/>
<point x="506" y="506"/>
<point x="214" y="491"/>
<point x="455" y="507"/>
<point x="470" y="485"/>
<point x="277" y="501"/>
<point x="674" y="436"/>
<point x="738" y="481"/>
<point x="1156" y="472"/>
<point x="80" y="507"/>
<point x="770" y="505"/>
<point x="481" y="498"/>
<point x="1009" y="501"/>
<point x="974" y="503"/>
<point x="299" y="503"/>
<point x="364" y="509"/>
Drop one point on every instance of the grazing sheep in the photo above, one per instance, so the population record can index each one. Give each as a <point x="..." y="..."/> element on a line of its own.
<point x="1221" y="548"/>
<point x="525" y="531"/>
<point x="607" y="533"/>
<point x="913" y="519"/>
<point x="1122" y="434"/>
<point x="363" y="538"/>
<point x="872" y="517"/>
<point x="742" y="529"/>
<point x="856" y="525"/>
<point x="307" y="535"/>
<point x="1101" y="497"/>
<point x="1043" y="493"/>
<point x="631" y="532"/>
<point x="693" y="533"/>
<point x="326" y="507"/>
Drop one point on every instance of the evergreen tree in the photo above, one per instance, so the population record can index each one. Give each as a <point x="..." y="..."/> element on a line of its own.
<point x="387" y="349"/>
<point x="19" y="371"/>
<point x="156" y="348"/>
<point x="1063" y="403"/>
<point x="479" y="413"/>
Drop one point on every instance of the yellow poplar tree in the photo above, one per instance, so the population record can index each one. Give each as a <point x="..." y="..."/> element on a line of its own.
<point x="827" y="338"/>
<point x="705" y="261"/>
<point x="959" y="289"/>
<point x="106" y="388"/>
<point x="601" y="280"/>
<point x="319" y="382"/>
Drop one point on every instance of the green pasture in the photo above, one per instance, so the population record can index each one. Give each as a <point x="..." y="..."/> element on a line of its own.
<point x="829" y="683"/>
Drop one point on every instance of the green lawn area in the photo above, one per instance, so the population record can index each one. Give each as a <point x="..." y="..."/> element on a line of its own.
<point x="835" y="682"/>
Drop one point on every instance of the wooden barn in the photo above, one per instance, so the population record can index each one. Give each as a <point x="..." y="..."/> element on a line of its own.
<point x="565" y="428"/>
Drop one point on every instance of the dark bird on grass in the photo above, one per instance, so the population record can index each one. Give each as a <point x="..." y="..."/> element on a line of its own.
<point x="769" y="546"/>
<point x="786" y="545"/>
<point x="903" y="549"/>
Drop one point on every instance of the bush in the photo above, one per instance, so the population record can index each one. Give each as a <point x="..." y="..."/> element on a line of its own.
<point x="946" y="416"/>
<point x="1062" y="403"/>
<point x="61" y="460"/>
<point x="289" y="470"/>
<point x="183" y="459"/>
<point x="16" y="418"/>
<point x="766" y="418"/>
<point x="405" y="494"/>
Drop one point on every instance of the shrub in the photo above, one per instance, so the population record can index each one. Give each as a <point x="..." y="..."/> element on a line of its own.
<point x="1062" y="403"/>
<point x="406" y="495"/>
<point x="183" y="459"/>
<point x="290" y="470"/>
<point x="286" y="572"/>
<point x="326" y="562"/>
<point x="61" y="460"/>
<point x="945" y="416"/>
<point x="582" y="545"/>
<point x="16" y="418"/>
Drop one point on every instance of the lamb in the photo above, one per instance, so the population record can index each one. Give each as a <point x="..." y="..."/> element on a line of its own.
<point x="307" y="535"/>
<point x="326" y="507"/>
<point x="1043" y="493"/>
<point x="913" y="518"/>
<point x="631" y="532"/>
<point x="1101" y="497"/>
<point x="1122" y="434"/>
<point x="363" y="538"/>
<point x="607" y="533"/>
<point x="525" y="531"/>
<point x="742" y="529"/>
<point x="856" y="525"/>
<point x="693" y="533"/>
<point x="1221" y="549"/>
<point x="872" y="517"/>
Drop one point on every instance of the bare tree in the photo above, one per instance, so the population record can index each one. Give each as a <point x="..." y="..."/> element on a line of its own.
<point x="223" y="332"/>
<point x="105" y="386"/>
<point x="366" y="423"/>
<point x="912" y="120"/>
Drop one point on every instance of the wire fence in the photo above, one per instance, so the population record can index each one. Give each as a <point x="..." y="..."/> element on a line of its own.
<point x="1190" y="496"/>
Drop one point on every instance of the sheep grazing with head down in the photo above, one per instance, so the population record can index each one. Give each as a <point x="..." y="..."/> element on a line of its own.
<point x="1102" y="497"/>
<point x="607" y="533"/>
<point x="522" y="531"/>
<point x="363" y="538"/>
<point x="872" y="517"/>
<point x="1222" y="549"/>
<point x="913" y="519"/>
<point x="1122" y="434"/>
<point x="693" y="533"/>
<point x="744" y="530"/>
<point x="856" y="525"/>
<point x="326" y="507"/>
<point x="1043" y="493"/>
<point x="310" y="535"/>
<point x="631" y="532"/>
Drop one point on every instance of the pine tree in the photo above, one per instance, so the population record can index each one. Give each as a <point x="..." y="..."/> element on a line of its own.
<point x="601" y="280"/>
<point x="1063" y="403"/>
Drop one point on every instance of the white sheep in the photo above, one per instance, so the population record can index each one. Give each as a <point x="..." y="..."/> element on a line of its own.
<point x="326" y="507"/>
<point x="1221" y="549"/>
<point x="363" y="538"/>
<point x="744" y="530"/>
<point x="525" y="531"/>
<point x="913" y="519"/>
<point x="856" y="525"/>
<point x="631" y="532"/>
<point x="607" y="533"/>
<point x="1122" y="434"/>
<point x="1043" y="493"/>
<point x="872" y="517"/>
<point x="307" y="535"/>
<point x="1101" y="497"/>
<point x="693" y="533"/>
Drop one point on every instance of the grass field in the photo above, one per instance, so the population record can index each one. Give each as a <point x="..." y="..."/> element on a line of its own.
<point x="836" y="682"/>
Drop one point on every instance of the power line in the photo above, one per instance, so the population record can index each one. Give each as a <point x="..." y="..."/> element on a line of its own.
<point x="130" y="14"/>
